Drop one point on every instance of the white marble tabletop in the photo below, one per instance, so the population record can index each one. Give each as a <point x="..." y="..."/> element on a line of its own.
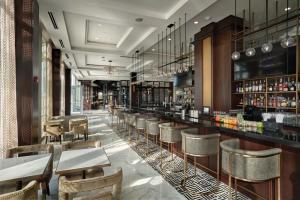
<point x="24" y="168"/>
<point x="82" y="159"/>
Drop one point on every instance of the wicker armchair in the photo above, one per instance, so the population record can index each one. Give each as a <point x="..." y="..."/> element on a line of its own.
<point x="54" y="128"/>
<point x="38" y="148"/>
<point x="79" y="126"/>
<point x="30" y="191"/>
<point x="91" y="188"/>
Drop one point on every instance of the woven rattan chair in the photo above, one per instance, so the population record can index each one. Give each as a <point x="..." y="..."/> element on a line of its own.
<point x="81" y="145"/>
<point x="79" y="127"/>
<point x="30" y="191"/>
<point x="91" y="188"/>
<point x="54" y="128"/>
<point x="36" y="149"/>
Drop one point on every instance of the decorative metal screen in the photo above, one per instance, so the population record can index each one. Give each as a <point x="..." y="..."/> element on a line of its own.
<point x="8" y="110"/>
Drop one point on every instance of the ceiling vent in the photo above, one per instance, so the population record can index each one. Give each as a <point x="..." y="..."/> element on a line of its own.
<point x="67" y="56"/>
<point x="53" y="20"/>
<point x="61" y="43"/>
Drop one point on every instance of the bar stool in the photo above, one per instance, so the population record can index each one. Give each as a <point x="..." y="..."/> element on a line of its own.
<point x="250" y="166"/>
<point x="196" y="145"/>
<point x="170" y="134"/>
<point x="152" y="128"/>
<point x="132" y="124"/>
<point x="140" y="127"/>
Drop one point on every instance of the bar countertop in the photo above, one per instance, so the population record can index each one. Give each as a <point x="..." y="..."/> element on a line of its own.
<point x="278" y="139"/>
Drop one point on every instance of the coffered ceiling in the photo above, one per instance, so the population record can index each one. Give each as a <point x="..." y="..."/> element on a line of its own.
<point x="92" y="32"/>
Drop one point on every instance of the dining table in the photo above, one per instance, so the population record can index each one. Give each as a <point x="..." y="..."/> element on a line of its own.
<point x="81" y="160"/>
<point x="23" y="169"/>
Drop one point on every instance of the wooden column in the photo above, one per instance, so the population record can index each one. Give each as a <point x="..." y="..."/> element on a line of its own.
<point x="67" y="91"/>
<point x="56" y="83"/>
<point x="28" y="61"/>
<point x="222" y="46"/>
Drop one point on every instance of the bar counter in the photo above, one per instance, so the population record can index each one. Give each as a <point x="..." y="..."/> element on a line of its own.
<point x="250" y="140"/>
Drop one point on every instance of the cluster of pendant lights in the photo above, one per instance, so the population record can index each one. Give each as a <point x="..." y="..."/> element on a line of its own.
<point x="267" y="47"/>
<point x="170" y="68"/>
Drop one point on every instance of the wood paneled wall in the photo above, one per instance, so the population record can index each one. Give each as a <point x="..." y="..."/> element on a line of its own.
<point x="56" y="81"/>
<point x="67" y="91"/>
<point x="207" y="71"/>
<point x="28" y="61"/>
<point x="220" y="59"/>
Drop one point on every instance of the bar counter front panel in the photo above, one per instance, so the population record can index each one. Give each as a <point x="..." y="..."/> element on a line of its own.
<point x="290" y="157"/>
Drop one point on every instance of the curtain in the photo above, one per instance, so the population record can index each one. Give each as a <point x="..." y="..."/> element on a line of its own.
<point x="8" y="107"/>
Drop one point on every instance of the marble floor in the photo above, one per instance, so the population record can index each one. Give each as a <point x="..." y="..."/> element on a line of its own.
<point x="140" y="180"/>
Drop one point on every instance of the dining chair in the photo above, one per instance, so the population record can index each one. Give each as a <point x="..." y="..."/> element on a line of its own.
<point x="79" y="126"/>
<point x="36" y="149"/>
<point x="30" y="191"/>
<point x="102" y="187"/>
<point x="54" y="128"/>
<point x="81" y="145"/>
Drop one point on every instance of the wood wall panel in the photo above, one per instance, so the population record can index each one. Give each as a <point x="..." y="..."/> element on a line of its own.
<point x="56" y="82"/>
<point x="67" y="91"/>
<point x="28" y="57"/>
<point x="207" y="71"/>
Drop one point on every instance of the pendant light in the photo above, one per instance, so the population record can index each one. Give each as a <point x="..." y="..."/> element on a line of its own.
<point x="268" y="46"/>
<point x="235" y="55"/>
<point x="251" y="51"/>
<point x="288" y="41"/>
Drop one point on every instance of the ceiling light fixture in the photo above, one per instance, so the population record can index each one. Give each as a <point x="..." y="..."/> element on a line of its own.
<point x="268" y="46"/>
<point x="196" y="22"/>
<point x="169" y="39"/>
<point x="235" y="55"/>
<point x="99" y="24"/>
<point x="153" y="49"/>
<point x="288" y="41"/>
<point x="287" y="9"/>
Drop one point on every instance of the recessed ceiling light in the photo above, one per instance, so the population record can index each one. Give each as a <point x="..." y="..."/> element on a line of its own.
<point x="288" y="8"/>
<point x="153" y="49"/>
<point x="169" y="39"/>
<point x="207" y="18"/>
<point x="139" y="19"/>
<point x="196" y="22"/>
<point x="99" y="24"/>
<point x="97" y="38"/>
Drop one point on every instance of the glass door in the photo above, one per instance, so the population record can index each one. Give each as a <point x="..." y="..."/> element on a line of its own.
<point x="77" y="99"/>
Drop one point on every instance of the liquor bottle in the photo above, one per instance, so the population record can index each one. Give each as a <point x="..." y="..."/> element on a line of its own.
<point x="292" y="86"/>
<point x="288" y="102"/>
<point x="237" y="89"/>
<point x="280" y="85"/>
<point x="255" y="101"/>
<point x="253" y="86"/>
<point x="293" y="102"/>
<point x="273" y="102"/>
<point x="246" y="87"/>
<point x="242" y="89"/>
<point x="289" y="83"/>
<point x="270" y="101"/>
<point x="260" y="86"/>
<point x="278" y="101"/>
<point x="285" y="86"/>
<point x="283" y="103"/>
<point x="276" y="86"/>
<point x="270" y="87"/>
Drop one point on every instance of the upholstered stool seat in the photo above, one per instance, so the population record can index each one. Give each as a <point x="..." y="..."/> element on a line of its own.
<point x="170" y="133"/>
<point x="140" y="126"/>
<point x="250" y="166"/>
<point x="196" y="144"/>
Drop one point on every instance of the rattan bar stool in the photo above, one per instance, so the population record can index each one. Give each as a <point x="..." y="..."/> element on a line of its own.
<point x="170" y="133"/>
<point x="196" y="145"/>
<point x="250" y="166"/>
<point x="132" y="125"/>
<point x="140" y="127"/>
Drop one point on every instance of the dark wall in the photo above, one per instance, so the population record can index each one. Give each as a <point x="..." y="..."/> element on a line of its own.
<point x="28" y="55"/>
<point x="67" y="91"/>
<point x="56" y="84"/>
